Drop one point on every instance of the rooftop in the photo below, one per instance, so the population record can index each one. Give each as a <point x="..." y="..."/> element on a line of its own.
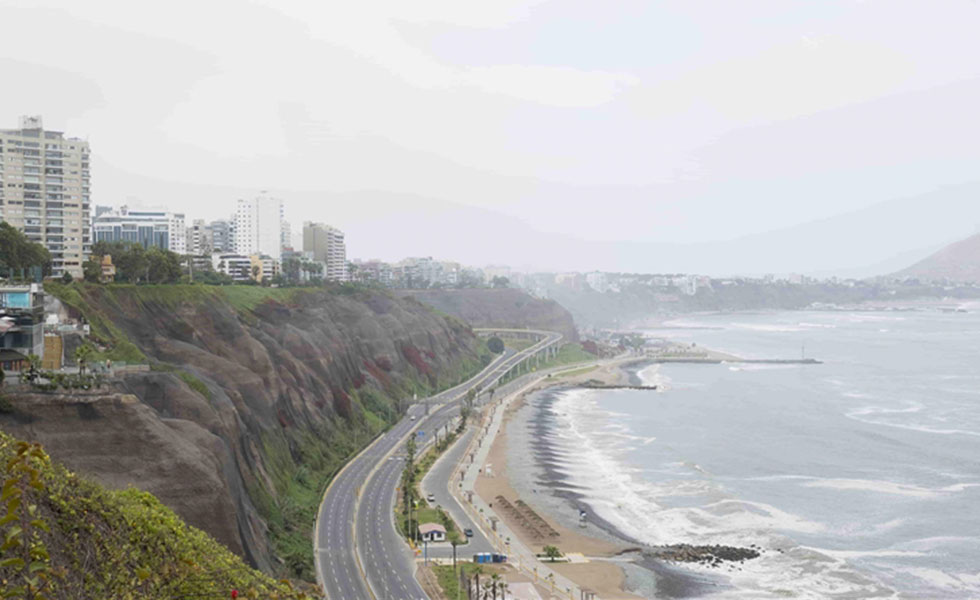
<point x="425" y="528"/>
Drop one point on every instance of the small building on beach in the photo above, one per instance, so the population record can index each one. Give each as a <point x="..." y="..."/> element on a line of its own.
<point x="432" y="532"/>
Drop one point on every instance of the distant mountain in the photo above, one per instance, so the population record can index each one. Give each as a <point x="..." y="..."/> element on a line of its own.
<point x="959" y="262"/>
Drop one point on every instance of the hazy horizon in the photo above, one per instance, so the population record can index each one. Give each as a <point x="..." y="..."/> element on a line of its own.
<point x="631" y="137"/>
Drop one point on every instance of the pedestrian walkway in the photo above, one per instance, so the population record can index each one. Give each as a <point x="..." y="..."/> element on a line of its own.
<point x="506" y="541"/>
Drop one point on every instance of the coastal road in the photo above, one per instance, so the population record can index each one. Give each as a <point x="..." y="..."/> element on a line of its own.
<point x="358" y="553"/>
<point x="388" y="563"/>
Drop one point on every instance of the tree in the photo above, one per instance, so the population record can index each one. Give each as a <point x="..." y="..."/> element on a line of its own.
<point x="162" y="266"/>
<point x="66" y="278"/>
<point x="18" y="254"/>
<point x="455" y="540"/>
<point x="495" y="345"/>
<point x="256" y="269"/>
<point x="92" y="270"/>
<point x="82" y="355"/>
<point x="552" y="553"/>
<point x="500" y="282"/>
<point x="33" y="371"/>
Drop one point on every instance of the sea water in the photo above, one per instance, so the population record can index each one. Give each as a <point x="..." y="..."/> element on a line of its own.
<point x="860" y="477"/>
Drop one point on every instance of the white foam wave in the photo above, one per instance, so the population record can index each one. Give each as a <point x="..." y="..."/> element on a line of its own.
<point x="851" y="554"/>
<point x="618" y="494"/>
<point x="817" y="325"/>
<point x="956" y="583"/>
<point x="888" y="487"/>
<point x="654" y="376"/>
<point x="766" y="327"/>
<point x="912" y="407"/>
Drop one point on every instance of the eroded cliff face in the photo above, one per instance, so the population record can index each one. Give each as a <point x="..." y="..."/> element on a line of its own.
<point x="500" y="308"/>
<point x="253" y="402"/>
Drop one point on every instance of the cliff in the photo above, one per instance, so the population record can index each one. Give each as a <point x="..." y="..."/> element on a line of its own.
<point x="957" y="262"/>
<point x="499" y="308"/>
<point x="67" y="537"/>
<point x="256" y="398"/>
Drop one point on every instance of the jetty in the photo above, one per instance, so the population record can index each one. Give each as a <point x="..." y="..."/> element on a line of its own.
<point x="692" y="354"/>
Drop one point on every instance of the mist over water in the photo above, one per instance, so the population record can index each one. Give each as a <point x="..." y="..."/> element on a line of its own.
<point x="860" y="476"/>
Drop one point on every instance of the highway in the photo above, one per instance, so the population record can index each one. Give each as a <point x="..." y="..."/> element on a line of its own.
<point x="358" y="552"/>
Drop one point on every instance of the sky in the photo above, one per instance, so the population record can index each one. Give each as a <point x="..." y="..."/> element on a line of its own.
<point x="557" y="134"/>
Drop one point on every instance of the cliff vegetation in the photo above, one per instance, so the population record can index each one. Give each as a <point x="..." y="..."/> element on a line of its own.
<point x="255" y="399"/>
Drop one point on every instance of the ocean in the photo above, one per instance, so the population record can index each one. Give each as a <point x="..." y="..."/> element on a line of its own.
<point x="859" y="477"/>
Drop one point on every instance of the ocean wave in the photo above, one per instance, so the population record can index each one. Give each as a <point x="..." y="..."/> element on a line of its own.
<point x="913" y="407"/>
<point x="889" y="487"/>
<point x="766" y="327"/>
<point x="885" y="553"/>
<point x="620" y="495"/>
<point x="817" y="325"/>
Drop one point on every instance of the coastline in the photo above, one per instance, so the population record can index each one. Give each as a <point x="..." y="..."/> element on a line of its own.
<point x="605" y="560"/>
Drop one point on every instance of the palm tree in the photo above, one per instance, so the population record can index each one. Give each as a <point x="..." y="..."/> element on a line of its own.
<point x="455" y="541"/>
<point x="33" y="369"/>
<point x="552" y="552"/>
<point x="82" y="354"/>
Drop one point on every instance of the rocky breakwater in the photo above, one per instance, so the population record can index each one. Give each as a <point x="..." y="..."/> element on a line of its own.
<point x="255" y="398"/>
<point x="708" y="556"/>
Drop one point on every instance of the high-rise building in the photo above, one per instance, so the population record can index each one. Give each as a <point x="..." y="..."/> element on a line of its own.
<point x="287" y="236"/>
<point x="222" y="233"/>
<point x="199" y="241"/>
<point x="328" y="246"/>
<point x="44" y="191"/>
<point x="258" y="227"/>
<point x="149" y="227"/>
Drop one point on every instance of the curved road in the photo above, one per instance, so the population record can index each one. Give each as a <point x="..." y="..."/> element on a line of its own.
<point x="355" y="541"/>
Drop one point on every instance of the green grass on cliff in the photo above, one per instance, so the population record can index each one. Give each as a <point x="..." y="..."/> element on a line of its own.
<point x="67" y="537"/>
<point x="298" y="463"/>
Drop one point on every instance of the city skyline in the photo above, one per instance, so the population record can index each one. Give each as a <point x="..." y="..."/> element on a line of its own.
<point x="685" y="120"/>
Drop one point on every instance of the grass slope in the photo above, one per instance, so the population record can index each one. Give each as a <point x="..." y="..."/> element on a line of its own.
<point x="67" y="537"/>
<point x="301" y="467"/>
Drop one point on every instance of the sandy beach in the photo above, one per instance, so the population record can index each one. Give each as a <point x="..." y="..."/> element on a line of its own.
<point x="538" y="529"/>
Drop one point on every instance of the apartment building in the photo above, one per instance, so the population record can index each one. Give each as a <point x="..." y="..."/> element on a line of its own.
<point x="44" y="191"/>
<point x="222" y="235"/>
<point x="258" y="227"/>
<point x="151" y="227"/>
<point x="199" y="238"/>
<point x="328" y="246"/>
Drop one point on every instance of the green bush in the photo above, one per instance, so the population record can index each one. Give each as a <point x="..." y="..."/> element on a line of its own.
<point x="88" y="542"/>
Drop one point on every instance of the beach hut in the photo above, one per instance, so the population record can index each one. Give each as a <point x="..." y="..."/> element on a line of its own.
<point x="432" y="532"/>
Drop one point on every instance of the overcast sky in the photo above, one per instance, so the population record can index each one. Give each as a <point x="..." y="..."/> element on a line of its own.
<point x="617" y="121"/>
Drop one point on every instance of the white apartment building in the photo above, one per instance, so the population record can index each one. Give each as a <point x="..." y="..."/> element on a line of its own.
<point x="287" y="236"/>
<point x="151" y="227"/>
<point x="327" y="244"/>
<point x="236" y="266"/>
<point x="44" y="191"/>
<point x="258" y="227"/>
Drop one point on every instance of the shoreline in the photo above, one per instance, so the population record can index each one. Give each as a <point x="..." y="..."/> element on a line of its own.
<point x="606" y="560"/>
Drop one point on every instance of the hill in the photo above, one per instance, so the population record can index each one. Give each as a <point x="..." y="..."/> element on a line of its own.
<point x="499" y="308"/>
<point x="254" y="399"/>
<point x="959" y="261"/>
<point x="67" y="537"/>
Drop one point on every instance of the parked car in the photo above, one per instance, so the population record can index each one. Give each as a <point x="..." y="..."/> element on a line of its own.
<point x="431" y="498"/>
<point x="468" y="532"/>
